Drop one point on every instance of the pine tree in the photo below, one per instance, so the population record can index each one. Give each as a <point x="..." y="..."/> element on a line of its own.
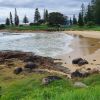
<point x="11" y="19"/>
<point x="70" y="21"/>
<point x="37" y="16"/>
<point x="89" y="15"/>
<point x="97" y="11"/>
<point x="74" y="20"/>
<point x="46" y="15"/>
<point x="16" y="18"/>
<point x="80" y="20"/>
<point x="83" y="11"/>
<point x="25" y="19"/>
<point x="7" y="21"/>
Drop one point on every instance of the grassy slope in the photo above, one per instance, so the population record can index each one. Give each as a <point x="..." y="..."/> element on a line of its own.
<point x="30" y="88"/>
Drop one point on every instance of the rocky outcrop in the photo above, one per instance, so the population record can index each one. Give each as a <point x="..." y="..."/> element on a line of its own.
<point x="47" y="80"/>
<point x="26" y="57"/>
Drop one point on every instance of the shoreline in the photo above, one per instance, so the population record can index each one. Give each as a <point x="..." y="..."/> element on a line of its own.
<point x="91" y="49"/>
<point x="88" y="34"/>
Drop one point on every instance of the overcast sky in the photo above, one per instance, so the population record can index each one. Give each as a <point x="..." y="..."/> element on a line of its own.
<point x="67" y="7"/>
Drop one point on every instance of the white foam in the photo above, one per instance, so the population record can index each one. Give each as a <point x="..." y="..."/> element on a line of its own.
<point x="43" y="44"/>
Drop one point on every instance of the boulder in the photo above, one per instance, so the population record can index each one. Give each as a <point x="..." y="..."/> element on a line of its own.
<point x="49" y="79"/>
<point x="18" y="70"/>
<point x="76" y="61"/>
<point x="79" y="74"/>
<point x="30" y="65"/>
<point x="82" y="62"/>
<point x="80" y="85"/>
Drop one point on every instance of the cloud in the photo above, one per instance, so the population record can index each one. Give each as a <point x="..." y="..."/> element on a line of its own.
<point x="68" y="7"/>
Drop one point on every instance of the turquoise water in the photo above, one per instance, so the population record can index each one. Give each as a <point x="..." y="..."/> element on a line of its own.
<point x="44" y="44"/>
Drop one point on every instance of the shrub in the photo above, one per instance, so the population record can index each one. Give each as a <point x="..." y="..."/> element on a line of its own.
<point x="2" y="26"/>
<point x="34" y="24"/>
<point x="90" y="24"/>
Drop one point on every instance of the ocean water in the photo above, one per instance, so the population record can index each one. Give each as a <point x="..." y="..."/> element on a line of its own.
<point x="44" y="44"/>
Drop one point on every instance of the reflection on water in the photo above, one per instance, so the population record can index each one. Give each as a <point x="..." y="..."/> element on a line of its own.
<point x="85" y="46"/>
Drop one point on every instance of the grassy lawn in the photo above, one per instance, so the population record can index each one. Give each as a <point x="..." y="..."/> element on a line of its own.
<point x="93" y="28"/>
<point x="47" y="28"/>
<point x="30" y="88"/>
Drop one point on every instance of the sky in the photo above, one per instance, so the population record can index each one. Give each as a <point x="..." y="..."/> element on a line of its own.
<point x="27" y="7"/>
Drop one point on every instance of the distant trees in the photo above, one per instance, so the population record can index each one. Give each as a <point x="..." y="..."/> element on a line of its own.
<point x="16" y="18"/>
<point x="70" y="21"/>
<point x="7" y="21"/>
<point x="46" y="15"/>
<point x="74" y="20"/>
<point x="80" y="20"/>
<point x="90" y="15"/>
<point x="25" y="19"/>
<point x="37" y="16"/>
<point x="11" y="19"/>
<point x="56" y="18"/>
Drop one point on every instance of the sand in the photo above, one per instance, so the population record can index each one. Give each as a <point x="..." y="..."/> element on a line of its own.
<point x="90" y="34"/>
<point x="85" y="45"/>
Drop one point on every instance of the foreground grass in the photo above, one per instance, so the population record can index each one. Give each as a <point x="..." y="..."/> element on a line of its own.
<point x="30" y="88"/>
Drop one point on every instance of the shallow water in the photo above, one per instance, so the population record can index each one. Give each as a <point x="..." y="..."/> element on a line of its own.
<point x="44" y="44"/>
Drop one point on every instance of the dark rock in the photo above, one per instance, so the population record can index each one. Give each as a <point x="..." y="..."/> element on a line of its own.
<point x="76" y="61"/>
<point x="88" y="68"/>
<point x="82" y="62"/>
<point x="30" y="65"/>
<point x="18" y="70"/>
<point x="49" y="79"/>
<point x="79" y="74"/>
<point x="29" y="59"/>
<point x="94" y="60"/>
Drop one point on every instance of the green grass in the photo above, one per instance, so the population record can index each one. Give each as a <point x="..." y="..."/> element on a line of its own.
<point x="93" y="28"/>
<point x="30" y="88"/>
<point x="46" y="28"/>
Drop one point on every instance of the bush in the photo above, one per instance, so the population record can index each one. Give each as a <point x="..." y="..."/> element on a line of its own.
<point x="90" y="24"/>
<point x="2" y="26"/>
<point x="21" y="25"/>
<point x="34" y="24"/>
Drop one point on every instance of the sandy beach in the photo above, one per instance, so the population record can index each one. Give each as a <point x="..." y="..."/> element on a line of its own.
<point x="89" y="34"/>
<point x="87" y="46"/>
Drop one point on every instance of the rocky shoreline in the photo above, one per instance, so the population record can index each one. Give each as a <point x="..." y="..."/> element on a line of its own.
<point x="30" y="63"/>
<point x="30" y="59"/>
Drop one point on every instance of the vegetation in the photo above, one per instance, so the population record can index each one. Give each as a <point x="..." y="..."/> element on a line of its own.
<point x="16" y="18"/>
<point x="7" y="21"/>
<point x="30" y="87"/>
<point x="56" y="19"/>
<point x="37" y="16"/>
<point x="25" y="20"/>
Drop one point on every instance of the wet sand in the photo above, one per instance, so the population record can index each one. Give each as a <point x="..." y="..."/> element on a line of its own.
<point x="84" y="47"/>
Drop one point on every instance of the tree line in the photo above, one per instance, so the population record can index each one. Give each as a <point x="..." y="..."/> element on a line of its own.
<point x="89" y="15"/>
<point x="37" y="18"/>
